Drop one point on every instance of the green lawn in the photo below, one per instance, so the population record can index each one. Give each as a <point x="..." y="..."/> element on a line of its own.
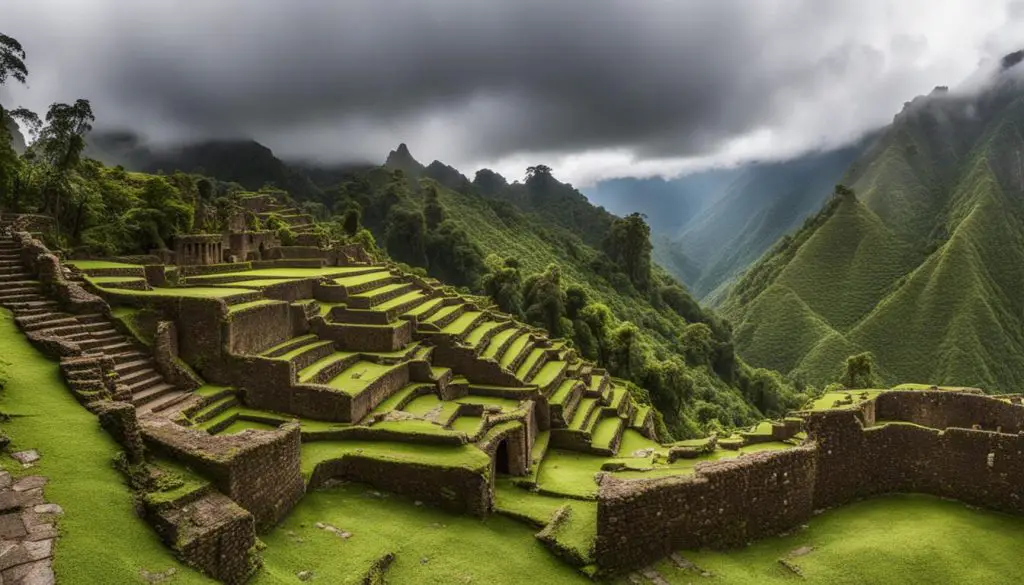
<point x="464" y="456"/>
<point x="208" y="292"/>
<point x="114" y="279"/>
<point x="356" y="378"/>
<point x="362" y="278"/>
<point x="430" y="546"/>
<point x="91" y="264"/>
<point x="103" y="540"/>
<point x="892" y="540"/>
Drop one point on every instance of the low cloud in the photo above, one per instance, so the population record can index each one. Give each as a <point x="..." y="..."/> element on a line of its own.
<point x="595" y="88"/>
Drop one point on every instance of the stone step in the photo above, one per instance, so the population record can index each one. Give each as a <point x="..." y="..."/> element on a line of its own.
<point x="150" y="379"/>
<point x="47" y="320"/>
<point x="31" y="305"/>
<point x="123" y="357"/>
<point x="14" y="276"/>
<point x="170" y="405"/>
<point x="114" y="348"/>
<point x="36" y="311"/>
<point x="151" y="392"/>
<point x="94" y="342"/>
<point x="20" y="297"/>
<point x="290" y="345"/>
<point x="130" y="367"/>
<point x="310" y="354"/>
<point x="151" y="397"/>
<point x="141" y="374"/>
<point x="214" y="408"/>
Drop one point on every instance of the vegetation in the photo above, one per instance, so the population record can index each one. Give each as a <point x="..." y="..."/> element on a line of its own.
<point x="102" y="538"/>
<point x="916" y="267"/>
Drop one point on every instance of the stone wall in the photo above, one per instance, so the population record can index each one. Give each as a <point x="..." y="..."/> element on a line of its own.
<point x="982" y="468"/>
<point x="941" y="410"/>
<point x="364" y="337"/>
<point x="456" y="489"/>
<point x="260" y="470"/>
<point x="726" y="503"/>
<point x="879" y="446"/>
<point x="254" y="330"/>
<point x="212" y="534"/>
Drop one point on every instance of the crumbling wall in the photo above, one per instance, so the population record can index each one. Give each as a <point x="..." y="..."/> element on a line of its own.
<point x="260" y="470"/>
<point x="456" y="489"/>
<point x="254" y="330"/>
<point x="941" y="410"/>
<point x="726" y="503"/>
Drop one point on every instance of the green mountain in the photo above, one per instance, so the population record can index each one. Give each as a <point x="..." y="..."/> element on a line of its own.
<point x="922" y="267"/>
<point x="714" y="224"/>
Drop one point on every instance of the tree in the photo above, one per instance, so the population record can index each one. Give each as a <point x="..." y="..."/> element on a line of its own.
<point x="405" y="237"/>
<point x="12" y="60"/>
<point x="538" y="173"/>
<point x="860" y="371"/>
<point x="628" y="244"/>
<point x="59" y="150"/>
<point x="433" y="211"/>
<point x="545" y="300"/>
<point x="503" y="283"/>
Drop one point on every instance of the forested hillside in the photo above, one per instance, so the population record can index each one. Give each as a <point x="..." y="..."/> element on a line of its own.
<point x="921" y="264"/>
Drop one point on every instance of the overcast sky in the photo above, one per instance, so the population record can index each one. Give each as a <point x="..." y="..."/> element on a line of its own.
<point x="593" y="88"/>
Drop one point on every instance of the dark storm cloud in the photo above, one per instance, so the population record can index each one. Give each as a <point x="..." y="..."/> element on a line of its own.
<point x="473" y="79"/>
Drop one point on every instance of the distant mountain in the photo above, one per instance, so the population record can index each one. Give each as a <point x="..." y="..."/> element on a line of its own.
<point x="715" y="223"/>
<point x="246" y="162"/>
<point x="923" y="267"/>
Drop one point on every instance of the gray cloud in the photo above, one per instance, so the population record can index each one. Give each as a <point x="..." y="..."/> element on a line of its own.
<point x="487" y="80"/>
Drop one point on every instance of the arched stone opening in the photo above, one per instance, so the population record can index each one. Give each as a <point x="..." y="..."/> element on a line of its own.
<point x="501" y="458"/>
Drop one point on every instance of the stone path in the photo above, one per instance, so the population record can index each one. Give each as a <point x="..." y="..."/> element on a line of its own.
<point x="94" y="334"/>
<point x="27" y="531"/>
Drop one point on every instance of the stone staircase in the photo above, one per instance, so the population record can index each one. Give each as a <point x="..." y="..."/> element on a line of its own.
<point x="94" y="334"/>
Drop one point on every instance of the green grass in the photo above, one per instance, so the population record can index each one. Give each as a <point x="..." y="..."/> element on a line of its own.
<point x="356" y="378"/>
<point x="477" y="334"/>
<point x="400" y="300"/>
<point x="547" y="373"/>
<point x="497" y="341"/>
<point x="430" y="546"/>
<point x="570" y="473"/>
<point x="461" y="323"/>
<point x="362" y="278"/>
<point x="892" y="540"/>
<point x="93" y="264"/>
<point x="605" y="430"/>
<point x="243" y="424"/>
<point x="100" y="280"/>
<point x="506" y="404"/>
<point x="285" y="272"/>
<point x="467" y="424"/>
<point x="103" y="540"/>
<point x="376" y="292"/>
<point x="514" y="350"/>
<point x="563" y="391"/>
<point x="251" y="304"/>
<point x="189" y="292"/>
<point x="462" y="456"/>
<point x="529" y="362"/>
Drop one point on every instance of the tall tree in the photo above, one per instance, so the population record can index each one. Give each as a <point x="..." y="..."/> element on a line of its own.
<point x="12" y="60"/>
<point x="12" y="66"/>
<point x="628" y="244"/>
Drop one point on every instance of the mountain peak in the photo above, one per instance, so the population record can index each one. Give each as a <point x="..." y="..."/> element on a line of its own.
<point x="401" y="158"/>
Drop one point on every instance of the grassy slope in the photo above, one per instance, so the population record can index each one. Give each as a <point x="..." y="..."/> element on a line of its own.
<point x="894" y="540"/>
<point x="430" y="546"/>
<point x="103" y="541"/>
<point x="949" y="316"/>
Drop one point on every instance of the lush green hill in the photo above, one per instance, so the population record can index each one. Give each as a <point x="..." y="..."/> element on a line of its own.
<point x="712" y="225"/>
<point x="923" y="268"/>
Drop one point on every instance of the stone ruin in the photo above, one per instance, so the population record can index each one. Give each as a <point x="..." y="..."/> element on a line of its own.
<point x="354" y="341"/>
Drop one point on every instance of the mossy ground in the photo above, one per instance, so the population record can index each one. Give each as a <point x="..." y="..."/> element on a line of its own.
<point x="102" y="539"/>
<point x="892" y="540"/>
<point x="430" y="546"/>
